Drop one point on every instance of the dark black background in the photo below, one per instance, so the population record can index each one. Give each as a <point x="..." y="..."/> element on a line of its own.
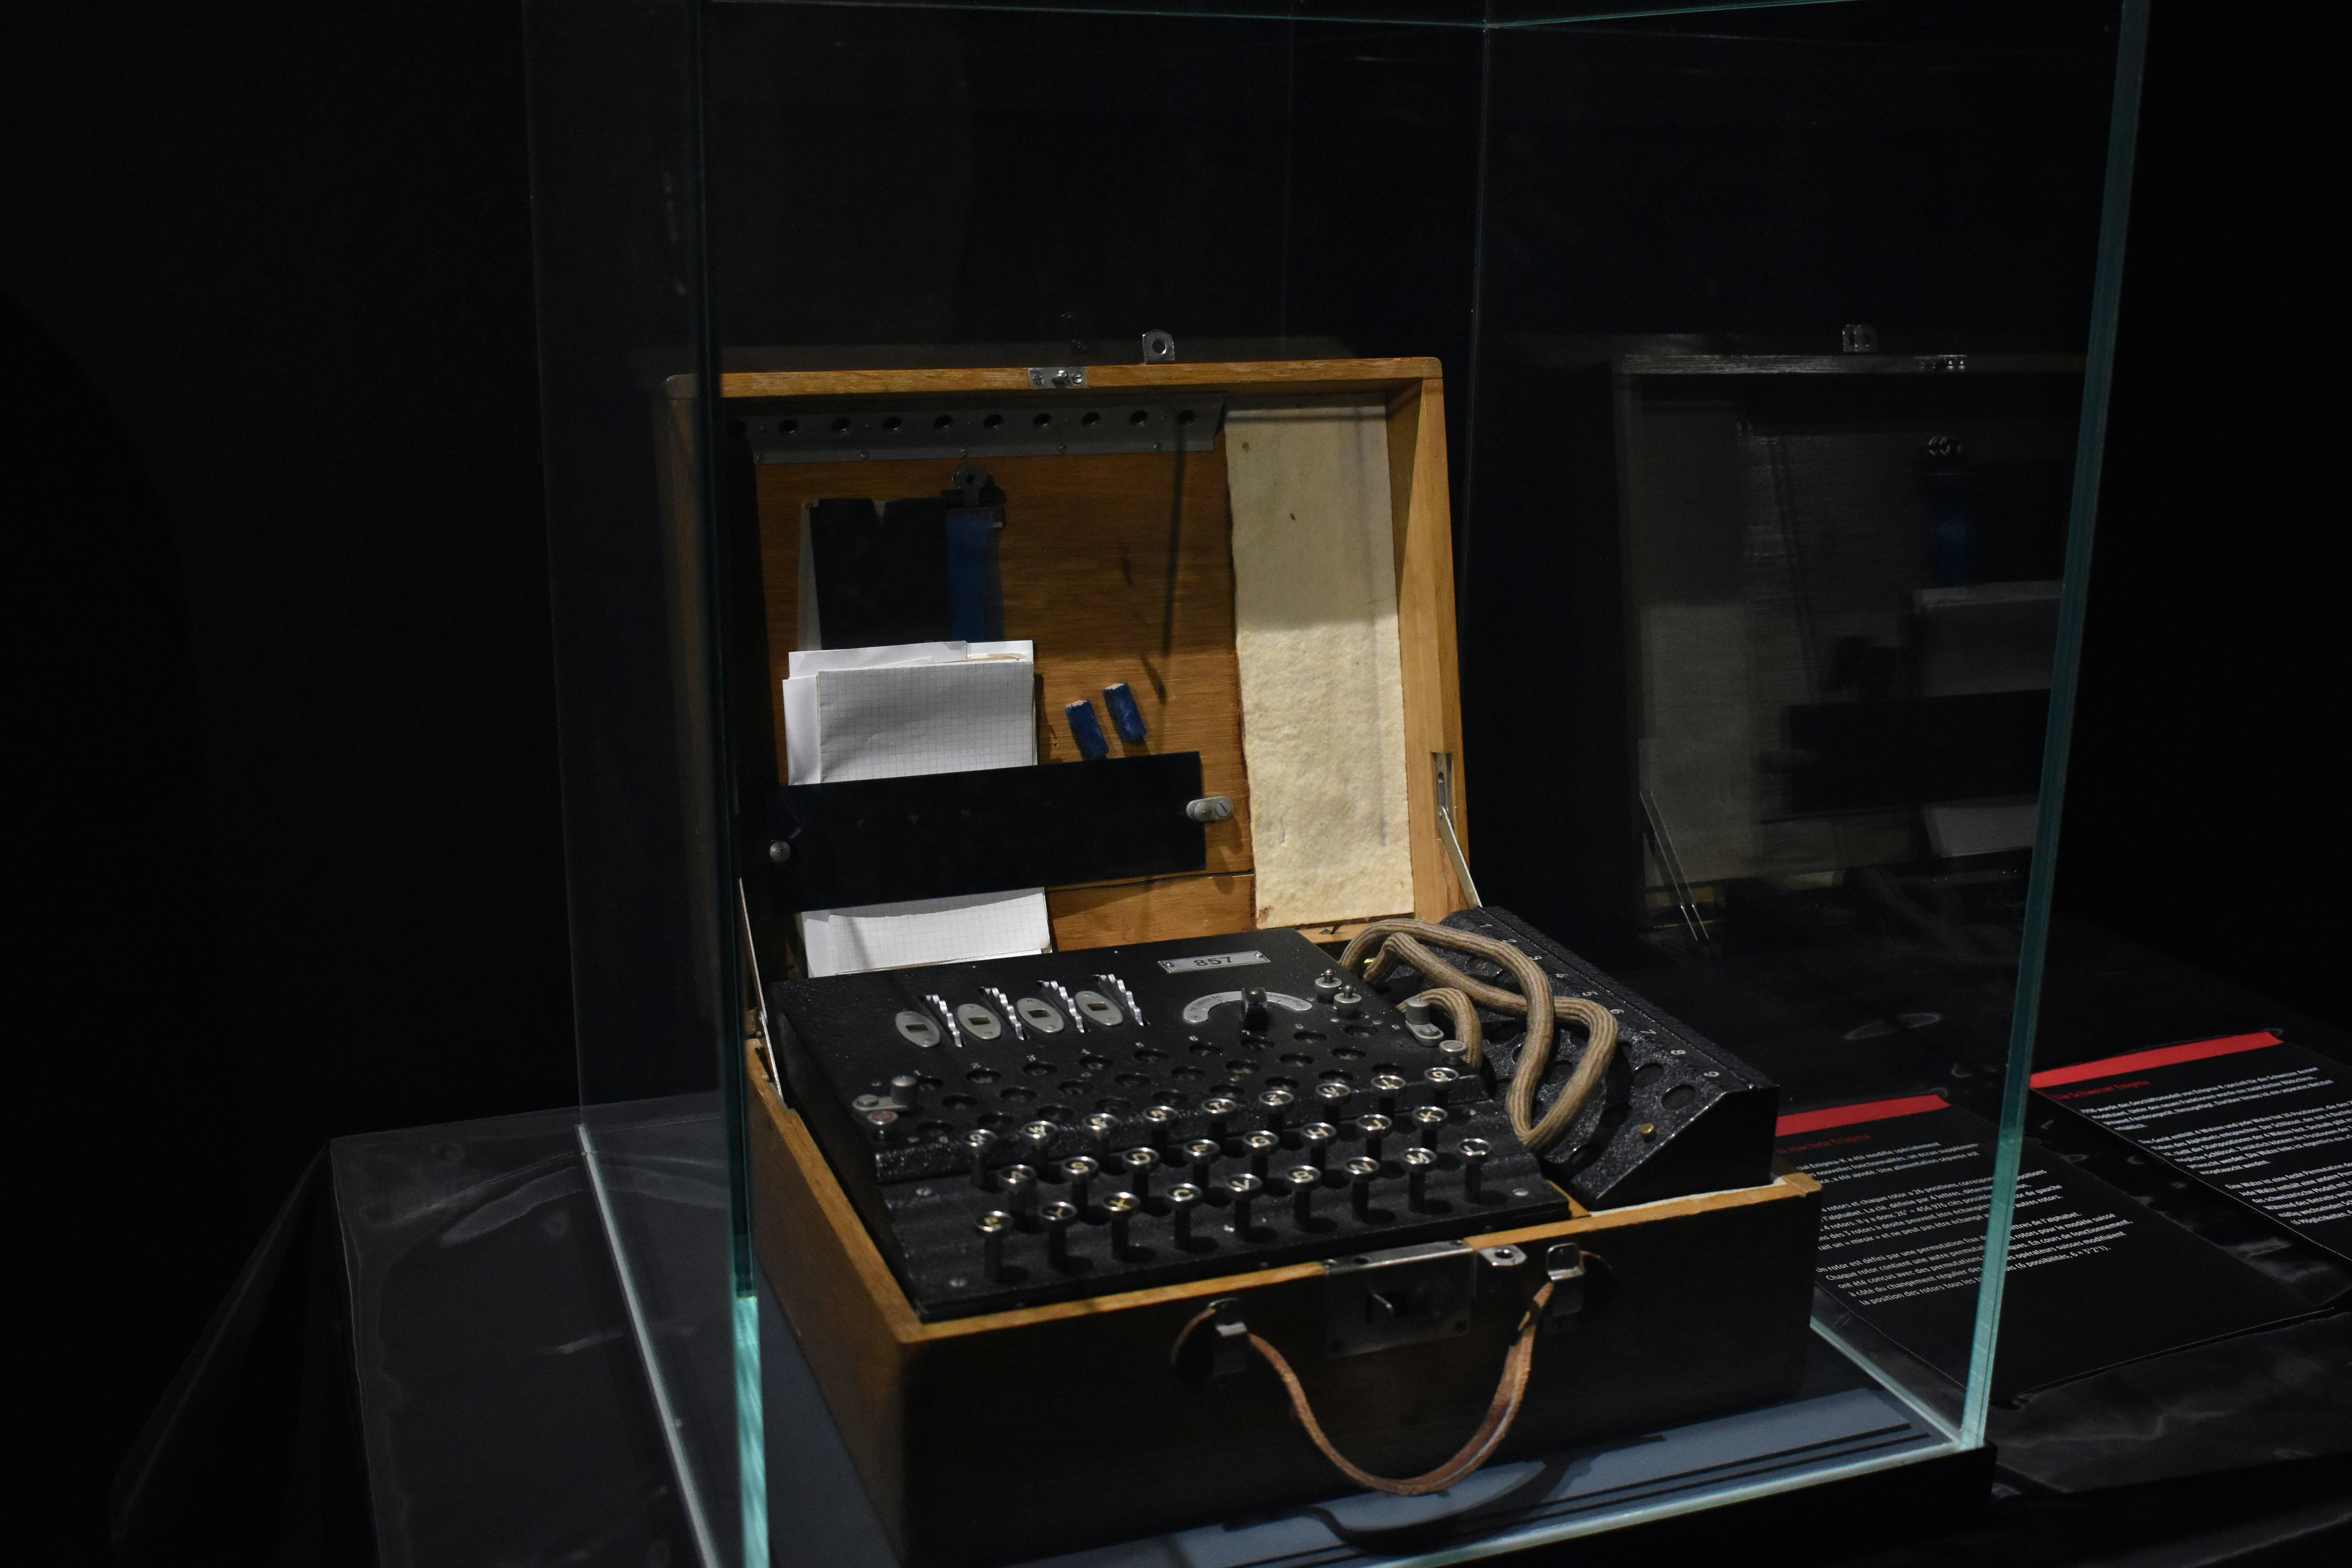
<point x="284" y="775"/>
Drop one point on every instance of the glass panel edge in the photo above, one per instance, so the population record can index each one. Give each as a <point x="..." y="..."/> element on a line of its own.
<point x="2123" y="133"/>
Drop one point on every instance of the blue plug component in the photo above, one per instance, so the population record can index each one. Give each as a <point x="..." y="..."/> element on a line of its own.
<point x="1086" y="731"/>
<point x="1125" y="716"/>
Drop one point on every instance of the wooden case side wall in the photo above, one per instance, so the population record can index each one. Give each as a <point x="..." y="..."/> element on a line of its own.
<point x="844" y="1308"/>
<point x="1422" y="505"/>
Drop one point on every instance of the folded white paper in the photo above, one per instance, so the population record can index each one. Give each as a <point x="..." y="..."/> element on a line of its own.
<point x="888" y="712"/>
<point x="974" y="708"/>
<point x="926" y="931"/>
<point x="925" y="719"/>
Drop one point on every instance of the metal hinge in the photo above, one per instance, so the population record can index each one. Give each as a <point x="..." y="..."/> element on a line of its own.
<point x="1445" y="763"/>
<point x="1063" y="377"/>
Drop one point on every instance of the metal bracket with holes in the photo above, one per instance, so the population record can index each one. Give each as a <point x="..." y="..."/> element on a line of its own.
<point x="979" y="429"/>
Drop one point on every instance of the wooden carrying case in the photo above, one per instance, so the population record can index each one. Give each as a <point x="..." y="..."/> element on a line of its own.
<point x="1022" y="1433"/>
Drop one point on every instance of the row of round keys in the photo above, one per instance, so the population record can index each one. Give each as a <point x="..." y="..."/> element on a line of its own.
<point x="1241" y="1197"/>
<point x="1278" y="1109"/>
<point x="1135" y="1169"/>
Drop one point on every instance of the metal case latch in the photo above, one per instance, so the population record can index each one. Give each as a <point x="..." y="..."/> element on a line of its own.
<point x="1406" y="1296"/>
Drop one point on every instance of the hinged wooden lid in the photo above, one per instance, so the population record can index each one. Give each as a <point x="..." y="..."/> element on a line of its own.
<point x="1119" y="567"/>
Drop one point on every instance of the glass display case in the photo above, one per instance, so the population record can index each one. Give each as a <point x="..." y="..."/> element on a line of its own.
<point x="1049" y="503"/>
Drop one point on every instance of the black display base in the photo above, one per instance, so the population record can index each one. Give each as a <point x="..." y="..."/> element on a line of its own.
<point x="523" y="1429"/>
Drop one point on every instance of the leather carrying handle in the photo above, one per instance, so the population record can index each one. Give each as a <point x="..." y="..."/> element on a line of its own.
<point x="1501" y="1411"/>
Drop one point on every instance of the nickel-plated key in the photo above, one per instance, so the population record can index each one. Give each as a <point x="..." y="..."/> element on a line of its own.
<point x="1304" y="1180"/>
<point x="1182" y="1199"/>
<point x="1080" y="1174"/>
<point x="992" y="1227"/>
<point x="1141" y="1163"/>
<point x="1059" y="1218"/>
<point x="1474" y="1161"/>
<point x="1122" y="1209"/>
<point x="1417" y="1165"/>
<point x="1243" y="1188"/>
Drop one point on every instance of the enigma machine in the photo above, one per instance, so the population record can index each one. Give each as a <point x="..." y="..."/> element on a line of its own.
<point x="1170" y="1070"/>
<point x="1036" y="1130"/>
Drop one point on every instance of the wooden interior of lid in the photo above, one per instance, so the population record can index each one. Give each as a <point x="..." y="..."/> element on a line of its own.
<point x="1119" y="567"/>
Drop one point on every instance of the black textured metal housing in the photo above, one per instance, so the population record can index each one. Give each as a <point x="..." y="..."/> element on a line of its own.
<point x="1147" y="1036"/>
<point x="1676" y="1113"/>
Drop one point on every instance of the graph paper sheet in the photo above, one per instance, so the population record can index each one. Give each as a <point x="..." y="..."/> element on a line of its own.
<point x="916" y="708"/>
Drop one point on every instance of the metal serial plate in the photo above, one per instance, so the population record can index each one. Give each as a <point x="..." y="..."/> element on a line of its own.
<point x="1211" y="961"/>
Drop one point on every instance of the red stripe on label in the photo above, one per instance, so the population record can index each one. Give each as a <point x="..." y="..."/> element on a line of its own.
<point x="1847" y="1115"/>
<point x="2163" y="1055"/>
